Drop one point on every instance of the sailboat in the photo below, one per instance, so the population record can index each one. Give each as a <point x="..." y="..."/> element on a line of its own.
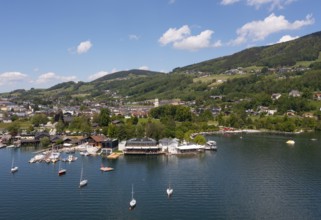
<point x="169" y="190"/>
<point x="132" y="202"/>
<point x="13" y="168"/>
<point x="83" y="182"/>
<point x="61" y="171"/>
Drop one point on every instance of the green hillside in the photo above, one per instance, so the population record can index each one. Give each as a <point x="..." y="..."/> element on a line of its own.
<point x="306" y="48"/>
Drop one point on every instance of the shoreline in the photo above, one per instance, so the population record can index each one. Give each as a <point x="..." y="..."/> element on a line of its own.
<point x="247" y="131"/>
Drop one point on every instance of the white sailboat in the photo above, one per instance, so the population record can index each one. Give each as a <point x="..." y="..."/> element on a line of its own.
<point x="83" y="182"/>
<point x="132" y="202"/>
<point x="169" y="190"/>
<point x="13" y="168"/>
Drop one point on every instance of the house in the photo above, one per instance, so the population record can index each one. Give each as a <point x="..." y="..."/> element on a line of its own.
<point x="96" y="140"/>
<point x="290" y="113"/>
<point x="295" y="93"/>
<point x="275" y="96"/>
<point x="308" y="115"/>
<point x="317" y="96"/>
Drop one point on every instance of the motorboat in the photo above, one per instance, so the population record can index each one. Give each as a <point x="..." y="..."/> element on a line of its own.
<point x="106" y="169"/>
<point x="210" y="145"/>
<point x="71" y="158"/>
<point x="291" y="142"/>
<point x="61" y="171"/>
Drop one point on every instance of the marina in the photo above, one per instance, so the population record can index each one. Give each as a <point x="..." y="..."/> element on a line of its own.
<point x="250" y="178"/>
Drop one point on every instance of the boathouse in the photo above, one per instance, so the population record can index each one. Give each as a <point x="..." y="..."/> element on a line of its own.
<point x="142" y="146"/>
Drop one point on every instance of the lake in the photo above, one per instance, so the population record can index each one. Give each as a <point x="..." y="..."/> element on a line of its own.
<point x="253" y="176"/>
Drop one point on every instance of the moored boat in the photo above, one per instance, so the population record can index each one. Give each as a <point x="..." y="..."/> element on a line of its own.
<point x="106" y="169"/>
<point x="210" y="145"/>
<point x="13" y="168"/>
<point x="82" y="182"/>
<point x="132" y="203"/>
<point x="291" y="142"/>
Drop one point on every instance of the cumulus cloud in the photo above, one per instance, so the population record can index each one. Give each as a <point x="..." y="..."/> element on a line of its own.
<point x="97" y="75"/>
<point x="173" y="34"/>
<point x="53" y="77"/>
<point x="228" y="2"/>
<point x="286" y="38"/>
<point x="182" y="39"/>
<point x="144" y="68"/>
<point x="259" y="30"/>
<point x="203" y="40"/>
<point x="84" y="47"/>
<point x="11" y="77"/>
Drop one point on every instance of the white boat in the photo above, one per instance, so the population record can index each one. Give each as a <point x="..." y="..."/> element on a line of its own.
<point x="11" y="146"/>
<point x="210" y="145"/>
<point x="106" y="169"/>
<point x="291" y="142"/>
<point x="82" y="182"/>
<point x="13" y="168"/>
<point x="92" y="150"/>
<point x="132" y="202"/>
<point x="84" y="153"/>
<point x="71" y="158"/>
<point x="169" y="192"/>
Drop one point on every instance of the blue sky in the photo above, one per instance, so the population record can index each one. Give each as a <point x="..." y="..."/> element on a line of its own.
<point x="43" y="43"/>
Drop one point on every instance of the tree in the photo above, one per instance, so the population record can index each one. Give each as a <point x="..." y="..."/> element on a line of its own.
<point x="45" y="141"/>
<point x="139" y="131"/>
<point x="38" y="119"/>
<point x="104" y="117"/>
<point x="60" y="126"/>
<point x="14" y="128"/>
<point x="200" y="139"/>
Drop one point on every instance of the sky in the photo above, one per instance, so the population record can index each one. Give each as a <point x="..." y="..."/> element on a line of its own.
<point x="46" y="42"/>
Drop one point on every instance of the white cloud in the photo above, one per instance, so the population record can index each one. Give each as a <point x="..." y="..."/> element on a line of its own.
<point x="133" y="37"/>
<point x="273" y="4"/>
<point x="97" y="75"/>
<point x="144" y="68"/>
<point x="279" y="4"/>
<point x="84" y="47"/>
<point x="218" y="43"/>
<point x="171" y="2"/>
<point x="11" y="77"/>
<point x="52" y="77"/>
<point x="228" y="2"/>
<point x="182" y="39"/>
<point x="286" y="38"/>
<point x="259" y="30"/>
<point x="203" y="40"/>
<point x="173" y="35"/>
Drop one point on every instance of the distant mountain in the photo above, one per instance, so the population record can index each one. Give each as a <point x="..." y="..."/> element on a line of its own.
<point x="126" y="74"/>
<point x="306" y="48"/>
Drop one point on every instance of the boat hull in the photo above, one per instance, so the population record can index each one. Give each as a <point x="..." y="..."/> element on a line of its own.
<point x="83" y="183"/>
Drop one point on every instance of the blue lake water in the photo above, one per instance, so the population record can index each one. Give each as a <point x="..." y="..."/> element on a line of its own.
<point x="256" y="176"/>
